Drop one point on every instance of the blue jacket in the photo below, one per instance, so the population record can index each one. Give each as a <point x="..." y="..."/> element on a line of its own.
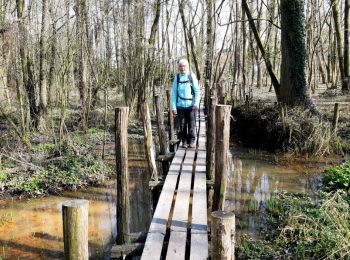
<point x="181" y="96"/>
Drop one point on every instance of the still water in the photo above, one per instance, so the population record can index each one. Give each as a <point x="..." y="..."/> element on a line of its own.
<point x="32" y="229"/>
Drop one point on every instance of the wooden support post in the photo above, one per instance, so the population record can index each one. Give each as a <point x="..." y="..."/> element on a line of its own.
<point x="211" y="139"/>
<point x="247" y="101"/>
<point x="206" y="96"/>
<point x="75" y="229"/>
<point x="223" y="235"/>
<point x="147" y="132"/>
<point x="335" y="118"/>
<point x="222" y="124"/>
<point x="171" y="123"/>
<point x="163" y="148"/>
<point x="121" y="151"/>
<point x="234" y="103"/>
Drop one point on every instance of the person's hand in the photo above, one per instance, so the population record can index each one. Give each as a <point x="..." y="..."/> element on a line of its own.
<point x="174" y="112"/>
<point x="194" y="108"/>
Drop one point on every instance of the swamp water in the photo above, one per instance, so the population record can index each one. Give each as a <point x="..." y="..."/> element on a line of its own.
<point x="32" y="229"/>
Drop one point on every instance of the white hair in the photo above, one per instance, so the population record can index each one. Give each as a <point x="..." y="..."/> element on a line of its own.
<point x="183" y="62"/>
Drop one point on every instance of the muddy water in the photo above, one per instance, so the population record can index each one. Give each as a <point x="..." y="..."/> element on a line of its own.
<point x="32" y="229"/>
<point x="252" y="182"/>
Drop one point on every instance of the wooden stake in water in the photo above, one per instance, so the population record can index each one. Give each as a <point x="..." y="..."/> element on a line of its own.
<point x="170" y="122"/>
<point x="121" y="152"/>
<point x="335" y="118"/>
<point x="211" y="139"/>
<point x="223" y="235"/>
<point x="222" y="136"/>
<point x="163" y="147"/>
<point x="75" y="229"/>
<point x="149" y="151"/>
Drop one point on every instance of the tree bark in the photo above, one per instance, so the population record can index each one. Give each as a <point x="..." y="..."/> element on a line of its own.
<point x="346" y="83"/>
<point x="42" y="67"/>
<point x="121" y="145"/>
<point x="339" y="37"/>
<point x="293" y="90"/>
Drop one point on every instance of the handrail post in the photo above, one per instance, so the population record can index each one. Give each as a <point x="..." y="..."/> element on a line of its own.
<point x="222" y="124"/>
<point x="75" y="229"/>
<point x="163" y="148"/>
<point x="149" y="150"/>
<point x="211" y="139"/>
<point x="121" y="151"/>
<point x="223" y="235"/>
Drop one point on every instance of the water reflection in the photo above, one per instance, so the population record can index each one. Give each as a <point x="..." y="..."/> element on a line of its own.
<point x="32" y="229"/>
<point x="252" y="182"/>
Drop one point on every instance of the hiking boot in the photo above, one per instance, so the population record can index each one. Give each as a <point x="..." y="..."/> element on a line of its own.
<point x="192" y="145"/>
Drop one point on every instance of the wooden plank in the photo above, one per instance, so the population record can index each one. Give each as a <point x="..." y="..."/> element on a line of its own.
<point x="199" y="229"/>
<point x="178" y="229"/>
<point x="157" y="230"/>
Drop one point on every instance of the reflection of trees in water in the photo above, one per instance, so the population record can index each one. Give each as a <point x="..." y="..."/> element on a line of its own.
<point x="140" y="201"/>
<point x="253" y="182"/>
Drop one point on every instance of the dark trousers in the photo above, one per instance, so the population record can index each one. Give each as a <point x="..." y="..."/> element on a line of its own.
<point x="187" y="125"/>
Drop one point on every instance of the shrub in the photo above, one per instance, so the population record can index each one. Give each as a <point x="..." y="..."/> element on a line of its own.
<point x="295" y="130"/>
<point x="337" y="177"/>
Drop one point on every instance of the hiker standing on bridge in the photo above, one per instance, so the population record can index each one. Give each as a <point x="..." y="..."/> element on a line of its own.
<point x="185" y="102"/>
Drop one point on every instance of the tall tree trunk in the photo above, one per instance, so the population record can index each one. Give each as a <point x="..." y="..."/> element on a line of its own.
<point x="346" y="83"/>
<point x="27" y="66"/>
<point x="80" y="66"/>
<point x="42" y="67"/>
<point x="339" y="36"/>
<point x="293" y="90"/>
<point x="209" y="42"/>
<point x="52" y="63"/>
<point x="209" y="50"/>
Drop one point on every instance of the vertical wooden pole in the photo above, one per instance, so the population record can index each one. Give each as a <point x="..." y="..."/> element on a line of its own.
<point x="222" y="124"/>
<point x="171" y="122"/>
<point x="75" y="229"/>
<point x="234" y="103"/>
<point x="163" y="148"/>
<point x="211" y="139"/>
<point x="223" y="235"/>
<point x="247" y="101"/>
<point x="335" y="118"/>
<point x="147" y="132"/>
<point x="121" y="151"/>
<point x="206" y="96"/>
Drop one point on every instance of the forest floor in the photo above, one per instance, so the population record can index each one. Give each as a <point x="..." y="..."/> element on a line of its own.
<point x="50" y="166"/>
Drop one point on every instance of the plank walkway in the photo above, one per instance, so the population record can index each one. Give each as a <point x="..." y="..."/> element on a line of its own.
<point x="179" y="226"/>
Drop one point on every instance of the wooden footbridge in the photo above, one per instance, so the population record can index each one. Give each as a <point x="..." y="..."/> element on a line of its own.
<point x="179" y="226"/>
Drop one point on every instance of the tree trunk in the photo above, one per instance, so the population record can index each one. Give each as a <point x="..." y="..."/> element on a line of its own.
<point x="27" y="66"/>
<point x="293" y="90"/>
<point x="209" y="50"/>
<point x="80" y="69"/>
<point x="346" y="83"/>
<point x="42" y="67"/>
<point x="339" y="37"/>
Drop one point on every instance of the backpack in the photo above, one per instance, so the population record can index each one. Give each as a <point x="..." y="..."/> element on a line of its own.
<point x="189" y="80"/>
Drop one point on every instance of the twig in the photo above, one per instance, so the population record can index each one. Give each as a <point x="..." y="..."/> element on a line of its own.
<point x="22" y="162"/>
